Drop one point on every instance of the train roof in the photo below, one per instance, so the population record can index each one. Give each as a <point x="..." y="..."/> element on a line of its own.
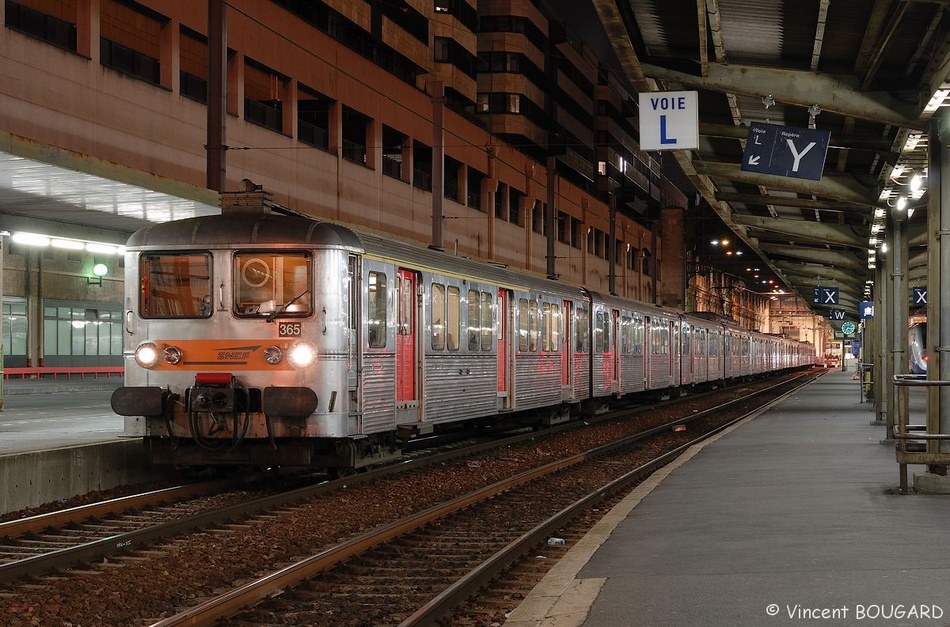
<point x="246" y="229"/>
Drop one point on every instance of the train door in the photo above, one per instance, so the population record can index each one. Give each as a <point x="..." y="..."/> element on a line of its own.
<point x="567" y="350"/>
<point x="504" y="343"/>
<point x="354" y="350"/>
<point x="648" y="351"/>
<point x="686" y="354"/>
<point x="614" y="347"/>
<point x="406" y="343"/>
<point x="674" y="344"/>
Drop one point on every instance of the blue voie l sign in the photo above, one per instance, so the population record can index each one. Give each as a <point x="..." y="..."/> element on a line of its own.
<point x="785" y="151"/>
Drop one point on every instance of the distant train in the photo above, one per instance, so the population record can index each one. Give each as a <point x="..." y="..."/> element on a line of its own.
<point x="277" y="340"/>
<point x="917" y="348"/>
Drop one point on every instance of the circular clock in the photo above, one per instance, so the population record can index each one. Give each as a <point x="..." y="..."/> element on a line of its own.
<point x="847" y="328"/>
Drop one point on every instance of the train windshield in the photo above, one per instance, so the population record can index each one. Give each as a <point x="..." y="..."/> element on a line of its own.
<point x="272" y="283"/>
<point x="175" y="285"/>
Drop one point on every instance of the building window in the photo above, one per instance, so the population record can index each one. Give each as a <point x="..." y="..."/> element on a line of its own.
<point x="354" y="135"/>
<point x="452" y="168"/>
<point x="440" y="49"/>
<point x="263" y="96"/>
<point x="53" y="22"/>
<point x="441" y="6"/>
<point x="514" y="207"/>
<point x="474" y="192"/>
<point x="500" y="205"/>
<point x="130" y="41"/>
<point x="421" y="166"/>
<point x="194" y="65"/>
<point x="482" y="103"/>
<point x="75" y="334"/>
<point x="538" y="217"/>
<point x="514" y="103"/>
<point x="394" y="143"/>
<point x="313" y="117"/>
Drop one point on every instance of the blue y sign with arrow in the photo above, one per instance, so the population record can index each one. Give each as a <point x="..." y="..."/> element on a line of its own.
<point x="785" y="151"/>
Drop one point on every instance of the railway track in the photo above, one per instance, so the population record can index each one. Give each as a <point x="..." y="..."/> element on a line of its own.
<point x="136" y="545"/>
<point x="418" y="570"/>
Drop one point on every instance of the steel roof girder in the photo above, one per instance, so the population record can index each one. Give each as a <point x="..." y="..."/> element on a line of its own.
<point x="839" y="94"/>
<point x="814" y="231"/>
<point x="836" y="258"/>
<point x="817" y="270"/>
<point x="836" y="186"/>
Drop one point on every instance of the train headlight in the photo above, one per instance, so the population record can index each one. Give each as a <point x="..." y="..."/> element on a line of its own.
<point x="147" y="355"/>
<point x="171" y="355"/>
<point x="273" y="355"/>
<point x="301" y="355"/>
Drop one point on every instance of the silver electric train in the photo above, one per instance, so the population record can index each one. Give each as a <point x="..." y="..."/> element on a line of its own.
<point x="262" y="339"/>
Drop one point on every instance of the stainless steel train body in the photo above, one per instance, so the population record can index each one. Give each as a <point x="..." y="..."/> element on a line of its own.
<point x="265" y="339"/>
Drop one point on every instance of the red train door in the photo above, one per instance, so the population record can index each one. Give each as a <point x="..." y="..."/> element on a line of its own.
<point x="406" y="338"/>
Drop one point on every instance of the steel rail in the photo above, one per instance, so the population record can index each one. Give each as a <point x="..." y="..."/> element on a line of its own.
<point x="234" y="601"/>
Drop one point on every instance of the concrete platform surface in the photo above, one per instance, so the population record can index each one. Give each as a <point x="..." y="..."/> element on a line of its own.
<point x="790" y="518"/>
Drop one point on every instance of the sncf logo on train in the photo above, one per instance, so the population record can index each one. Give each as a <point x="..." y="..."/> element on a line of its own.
<point x="240" y="353"/>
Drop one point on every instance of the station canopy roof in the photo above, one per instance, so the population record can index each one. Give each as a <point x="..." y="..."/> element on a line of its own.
<point x="870" y="72"/>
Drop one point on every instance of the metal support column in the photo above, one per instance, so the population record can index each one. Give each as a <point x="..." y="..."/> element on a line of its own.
<point x="880" y="345"/>
<point x="938" y="281"/>
<point x="899" y="306"/>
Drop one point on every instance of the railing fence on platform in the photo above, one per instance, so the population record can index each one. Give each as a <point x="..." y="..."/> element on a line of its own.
<point x="912" y="439"/>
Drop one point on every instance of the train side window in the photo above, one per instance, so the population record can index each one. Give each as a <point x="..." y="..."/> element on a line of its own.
<point x="602" y="332"/>
<point x="582" y="329"/>
<point x="376" y="313"/>
<point x="533" y="326"/>
<point x="486" y="307"/>
<point x="474" y="320"/>
<point x="626" y="335"/>
<point x="438" y="316"/>
<point x="523" y="325"/>
<point x="686" y="340"/>
<point x="454" y="318"/>
<point x="555" y="328"/>
<point x="405" y="308"/>
<point x="637" y="334"/>
<point x="545" y="326"/>
<point x="175" y="285"/>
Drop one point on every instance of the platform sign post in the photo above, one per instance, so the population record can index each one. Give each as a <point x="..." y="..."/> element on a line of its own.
<point x="669" y="120"/>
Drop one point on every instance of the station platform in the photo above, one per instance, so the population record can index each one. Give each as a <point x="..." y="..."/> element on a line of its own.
<point x="60" y="438"/>
<point x="789" y="518"/>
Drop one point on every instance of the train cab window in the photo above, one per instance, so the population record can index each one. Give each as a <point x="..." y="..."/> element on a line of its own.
<point x="376" y="313"/>
<point x="438" y="316"/>
<point x="175" y="285"/>
<point x="582" y="329"/>
<point x="272" y="283"/>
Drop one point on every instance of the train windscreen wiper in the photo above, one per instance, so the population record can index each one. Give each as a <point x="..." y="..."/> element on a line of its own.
<point x="282" y="308"/>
